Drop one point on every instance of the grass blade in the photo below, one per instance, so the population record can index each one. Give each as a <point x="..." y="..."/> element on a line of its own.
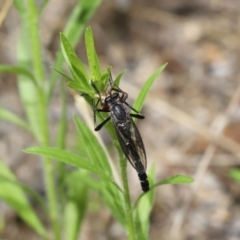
<point x="176" y="179"/>
<point x="93" y="61"/>
<point x="76" y="205"/>
<point x="17" y="70"/>
<point x="11" y="117"/>
<point x="234" y="173"/>
<point x="67" y="157"/>
<point x="146" y="87"/>
<point x="15" y="197"/>
<point x="82" y="12"/>
<point x="92" y="146"/>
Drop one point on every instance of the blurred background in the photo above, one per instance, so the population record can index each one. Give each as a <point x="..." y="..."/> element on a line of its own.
<point x="192" y="114"/>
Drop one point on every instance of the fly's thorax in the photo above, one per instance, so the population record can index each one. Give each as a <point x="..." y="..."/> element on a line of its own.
<point x="119" y="112"/>
<point x="116" y="107"/>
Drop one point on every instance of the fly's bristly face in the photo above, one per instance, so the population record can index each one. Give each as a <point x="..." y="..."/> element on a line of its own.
<point x="111" y="99"/>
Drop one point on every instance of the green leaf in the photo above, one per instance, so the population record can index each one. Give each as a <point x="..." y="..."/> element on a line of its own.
<point x="19" y="71"/>
<point x="80" y="88"/>
<point x="63" y="74"/>
<point x="104" y="80"/>
<point x="15" y="197"/>
<point x="234" y="173"/>
<point x="11" y="117"/>
<point x="146" y="87"/>
<point x="16" y="70"/>
<point x="111" y="194"/>
<point x="76" y="206"/>
<point x="78" y="70"/>
<point x="118" y="78"/>
<point x="75" y="61"/>
<point x="20" y="7"/>
<point x="67" y="49"/>
<point x="80" y="78"/>
<point x="29" y="93"/>
<point x="92" y="147"/>
<point x="67" y="157"/>
<point x="92" y="56"/>
<point x="71" y="220"/>
<point x="42" y="6"/>
<point x="82" y="13"/>
<point x="177" y="179"/>
<point x="62" y="124"/>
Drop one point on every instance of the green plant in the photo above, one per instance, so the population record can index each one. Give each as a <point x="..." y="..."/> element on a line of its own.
<point x="234" y="173"/>
<point x="35" y="88"/>
<point x="133" y="217"/>
<point x="93" y="170"/>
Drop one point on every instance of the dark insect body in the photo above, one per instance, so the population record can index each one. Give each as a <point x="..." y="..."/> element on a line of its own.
<point x="126" y="130"/>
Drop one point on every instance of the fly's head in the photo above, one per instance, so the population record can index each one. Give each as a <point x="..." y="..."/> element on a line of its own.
<point x="111" y="99"/>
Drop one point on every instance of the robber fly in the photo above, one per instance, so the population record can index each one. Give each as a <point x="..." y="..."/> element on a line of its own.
<point x="126" y="130"/>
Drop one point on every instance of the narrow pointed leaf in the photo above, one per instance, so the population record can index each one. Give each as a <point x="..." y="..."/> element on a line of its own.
<point x="13" y="195"/>
<point x="80" y="88"/>
<point x="146" y="87"/>
<point x="92" y="56"/>
<point x="11" y="117"/>
<point x="81" y="14"/>
<point x="76" y="205"/>
<point x="67" y="157"/>
<point x="234" y="173"/>
<point x="67" y="49"/>
<point x="118" y="78"/>
<point x="17" y="70"/>
<point x="79" y="65"/>
<point x="177" y="179"/>
<point x="92" y="146"/>
<point x="64" y="75"/>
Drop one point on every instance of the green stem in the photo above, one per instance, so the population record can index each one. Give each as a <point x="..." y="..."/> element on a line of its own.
<point x="128" y="206"/>
<point x="49" y="171"/>
<point x="38" y="68"/>
<point x="61" y="143"/>
<point x="33" y="19"/>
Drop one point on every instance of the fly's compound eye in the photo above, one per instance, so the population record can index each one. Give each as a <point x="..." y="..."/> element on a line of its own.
<point x="115" y="96"/>
<point x="108" y="99"/>
<point x="112" y="98"/>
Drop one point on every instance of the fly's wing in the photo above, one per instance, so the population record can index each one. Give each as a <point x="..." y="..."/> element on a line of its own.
<point x="132" y="145"/>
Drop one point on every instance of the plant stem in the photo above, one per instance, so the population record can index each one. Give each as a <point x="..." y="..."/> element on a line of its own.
<point x="34" y="38"/>
<point x="33" y="20"/>
<point x="128" y="206"/>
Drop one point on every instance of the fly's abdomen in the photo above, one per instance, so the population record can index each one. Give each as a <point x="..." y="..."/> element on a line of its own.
<point x="144" y="181"/>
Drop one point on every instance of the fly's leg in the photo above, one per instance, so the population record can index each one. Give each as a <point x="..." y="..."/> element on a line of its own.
<point x="95" y="109"/>
<point x="94" y="105"/>
<point x="138" y="115"/>
<point x="102" y="124"/>
<point x="123" y="100"/>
